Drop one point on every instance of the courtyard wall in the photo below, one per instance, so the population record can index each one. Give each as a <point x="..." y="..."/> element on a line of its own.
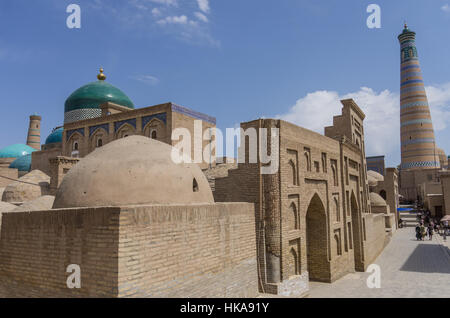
<point x="148" y="251"/>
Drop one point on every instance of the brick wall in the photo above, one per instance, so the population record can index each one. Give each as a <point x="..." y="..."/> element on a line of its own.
<point x="6" y="174"/>
<point x="40" y="159"/>
<point x="218" y="171"/>
<point x="148" y="251"/>
<point x="37" y="247"/>
<point x="188" y="251"/>
<point x="375" y="236"/>
<point x="445" y="181"/>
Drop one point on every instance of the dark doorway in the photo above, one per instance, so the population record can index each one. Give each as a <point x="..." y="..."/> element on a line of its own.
<point x="316" y="241"/>
<point x="357" y="238"/>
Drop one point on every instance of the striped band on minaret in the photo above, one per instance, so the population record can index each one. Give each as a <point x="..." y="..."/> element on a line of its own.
<point x="34" y="132"/>
<point x="418" y="143"/>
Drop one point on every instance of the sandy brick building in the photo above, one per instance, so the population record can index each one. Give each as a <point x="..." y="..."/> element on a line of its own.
<point x="313" y="218"/>
<point x="156" y="122"/>
<point x="151" y="228"/>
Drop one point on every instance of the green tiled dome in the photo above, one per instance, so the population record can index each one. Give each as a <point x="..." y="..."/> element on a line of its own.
<point x="22" y="164"/>
<point x="85" y="102"/>
<point x="16" y="151"/>
<point x="94" y="94"/>
<point x="55" y="136"/>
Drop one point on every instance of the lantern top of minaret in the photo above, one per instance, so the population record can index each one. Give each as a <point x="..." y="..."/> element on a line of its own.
<point x="407" y="33"/>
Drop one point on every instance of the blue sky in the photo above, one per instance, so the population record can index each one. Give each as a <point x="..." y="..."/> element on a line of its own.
<point x="235" y="60"/>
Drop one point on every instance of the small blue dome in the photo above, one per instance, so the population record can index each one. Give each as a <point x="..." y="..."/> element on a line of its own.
<point x="55" y="136"/>
<point x="16" y="151"/>
<point x="22" y="164"/>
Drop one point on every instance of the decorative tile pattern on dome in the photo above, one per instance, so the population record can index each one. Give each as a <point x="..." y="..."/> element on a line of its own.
<point x="71" y="132"/>
<point x="92" y="129"/>
<point x="81" y="114"/>
<point x="162" y="117"/>
<point x="119" y="124"/>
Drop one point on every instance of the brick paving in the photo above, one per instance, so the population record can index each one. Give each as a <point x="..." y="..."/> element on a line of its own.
<point x="409" y="268"/>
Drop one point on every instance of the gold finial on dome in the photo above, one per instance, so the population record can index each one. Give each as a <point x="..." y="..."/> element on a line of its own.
<point x="101" y="76"/>
<point x="406" y="25"/>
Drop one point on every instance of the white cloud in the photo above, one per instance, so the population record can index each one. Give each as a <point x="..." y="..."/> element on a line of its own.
<point x="174" y="20"/>
<point x="180" y="19"/>
<point x="156" y="12"/>
<point x="439" y="100"/>
<point x="316" y="110"/>
<point x="201" y="17"/>
<point x="445" y="8"/>
<point x="382" y="124"/>
<point x="203" y="5"/>
<point x="146" y="79"/>
<point x="166" y="2"/>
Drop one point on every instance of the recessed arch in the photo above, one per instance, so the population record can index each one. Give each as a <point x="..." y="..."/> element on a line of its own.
<point x="357" y="234"/>
<point x="292" y="219"/>
<point x="293" y="180"/>
<point x="74" y="144"/>
<point x="317" y="240"/>
<point x="308" y="161"/>
<point x="294" y="262"/>
<point x="125" y="130"/>
<point x="98" y="138"/>
<point x="337" y="212"/>
<point x="195" y="187"/>
<point x="155" y="129"/>
<point x="337" y="242"/>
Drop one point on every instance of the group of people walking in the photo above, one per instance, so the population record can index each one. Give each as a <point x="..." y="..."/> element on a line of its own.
<point x="423" y="231"/>
<point x="428" y="226"/>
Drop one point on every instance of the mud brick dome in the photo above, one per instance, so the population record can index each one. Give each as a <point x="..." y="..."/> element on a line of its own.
<point x="29" y="187"/>
<point x="377" y="200"/>
<point x="138" y="166"/>
<point x="375" y="176"/>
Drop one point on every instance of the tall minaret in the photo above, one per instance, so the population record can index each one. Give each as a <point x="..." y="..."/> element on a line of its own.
<point x="417" y="133"/>
<point x="34" y="132"/>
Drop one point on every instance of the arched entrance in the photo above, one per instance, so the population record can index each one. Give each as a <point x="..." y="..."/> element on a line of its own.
<point x="356" y="235"/>
<point x="316" y="241"/>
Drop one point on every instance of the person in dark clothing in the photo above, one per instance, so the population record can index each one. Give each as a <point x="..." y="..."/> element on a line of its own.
<point x="430" y="232"/>
<point x="418" y="233"/>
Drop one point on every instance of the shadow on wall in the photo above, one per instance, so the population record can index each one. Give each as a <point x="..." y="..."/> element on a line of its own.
<point x="424" y="260"/>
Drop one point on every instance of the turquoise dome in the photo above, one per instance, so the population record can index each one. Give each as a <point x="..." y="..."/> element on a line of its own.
<point x="16" y="151"/>
<point x="55" y="136"/>
<point x="94" y="94"/>
<point x="22" y="163"/>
